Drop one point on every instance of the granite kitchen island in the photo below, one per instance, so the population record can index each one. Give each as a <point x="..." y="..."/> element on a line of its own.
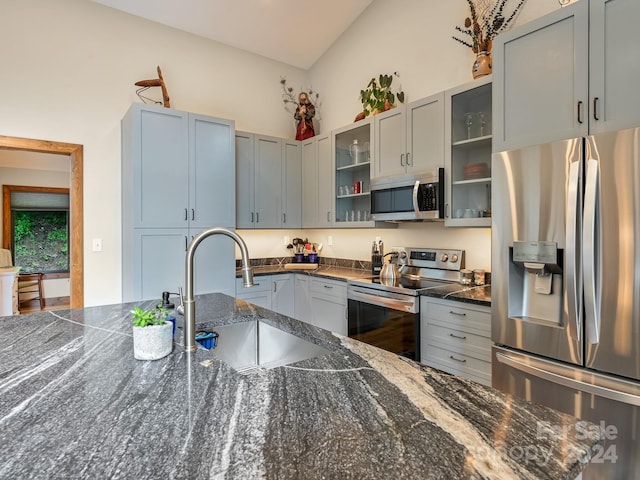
<point x="75" y="404"/>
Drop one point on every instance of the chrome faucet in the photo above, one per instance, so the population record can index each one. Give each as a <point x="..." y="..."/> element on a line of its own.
<point x="189" y="302"/>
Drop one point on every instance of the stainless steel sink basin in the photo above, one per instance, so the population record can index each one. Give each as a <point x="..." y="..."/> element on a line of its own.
<point x="254" y="345"/>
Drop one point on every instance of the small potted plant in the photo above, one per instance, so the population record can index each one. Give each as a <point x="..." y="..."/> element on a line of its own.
<point x="378" y="96"/>
<point x="152" y="333"/>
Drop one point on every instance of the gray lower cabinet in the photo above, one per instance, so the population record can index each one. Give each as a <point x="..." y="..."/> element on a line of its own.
<point x="259" y="294"/>
<point x="319" y="301"/>
<point x="275" y="292"/>
<point x="283" y="294"/>
<point x="328" y="304"/>
<point x="268" y="190"/>
<point x="302" y="299"/>
<point x="456" y="337"/>
<point x="570" y="73"/>
<point x="178" y="178"/>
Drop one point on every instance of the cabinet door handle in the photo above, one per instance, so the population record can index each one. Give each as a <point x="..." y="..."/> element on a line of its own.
<point x="186" y="246"/>
<point x="580" y="111"/>
<point x="408" y="157"/>
<point x="284" y="218"/>
<point x="402" y="159"/>
<point x="457" y="313"/>
<point x="446" y="210"/>
<point x="251" y="217"/>
<point x="275" y="287"/>
<point x="459" y="337"/>
<point x="193" y="214"/>
<point x="457" y="359"/>
<point x="257" y="217"/>
<point x="328" y="216"/>
<point x="596" y="100"/>
<point x="186" y="214"/>
<point x="328" y="286"/>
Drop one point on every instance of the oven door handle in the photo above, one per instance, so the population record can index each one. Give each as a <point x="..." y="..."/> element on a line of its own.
<point x="381" y="301"/>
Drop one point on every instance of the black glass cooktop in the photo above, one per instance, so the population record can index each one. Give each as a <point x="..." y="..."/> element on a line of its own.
<point x="406" y="285"/>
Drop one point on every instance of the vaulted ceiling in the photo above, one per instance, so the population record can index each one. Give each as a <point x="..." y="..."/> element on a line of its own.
<point x="296" y="32"/>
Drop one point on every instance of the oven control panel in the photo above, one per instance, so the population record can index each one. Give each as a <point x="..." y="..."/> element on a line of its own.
<point x="442" y="259"/>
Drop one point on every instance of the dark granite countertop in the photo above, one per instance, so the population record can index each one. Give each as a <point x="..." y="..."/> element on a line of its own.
<point x="344" y="270"/>
<point x="75" y="404"/>
<point x="478" y="295"/>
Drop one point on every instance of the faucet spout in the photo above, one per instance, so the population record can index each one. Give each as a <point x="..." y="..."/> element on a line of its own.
<point x="189" y="300"/>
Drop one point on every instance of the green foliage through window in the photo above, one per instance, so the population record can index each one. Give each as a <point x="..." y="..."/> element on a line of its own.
<point x="41" y="240"/>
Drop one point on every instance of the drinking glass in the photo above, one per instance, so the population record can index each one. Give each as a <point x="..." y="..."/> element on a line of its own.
<point x="483" y="122"/>
<point x="468" y="121"/>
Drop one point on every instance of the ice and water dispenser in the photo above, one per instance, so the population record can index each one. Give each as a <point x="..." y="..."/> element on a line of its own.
<point x="535" y="282"/>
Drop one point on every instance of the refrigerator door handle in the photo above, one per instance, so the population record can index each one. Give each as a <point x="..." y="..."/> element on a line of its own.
<point x="568" y="382"/>
<point x="574" y="274"/>
<point x="591" y="254"/>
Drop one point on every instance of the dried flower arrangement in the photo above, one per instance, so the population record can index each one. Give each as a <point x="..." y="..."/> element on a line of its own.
<point x="290" y="98"/>
<point x="486" y="21"/>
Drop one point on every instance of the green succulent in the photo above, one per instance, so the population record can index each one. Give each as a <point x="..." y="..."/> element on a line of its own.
<point x="152" y="316"/>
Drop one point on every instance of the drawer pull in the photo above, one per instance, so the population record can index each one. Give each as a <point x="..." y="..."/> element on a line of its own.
<point x="457" y="313"/>
<point x="458" y="336"/>
<point x="328" y="286"/>
<point x="457" y="359"/>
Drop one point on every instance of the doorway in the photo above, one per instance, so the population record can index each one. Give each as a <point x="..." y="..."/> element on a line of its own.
<point x="76" y="238"/>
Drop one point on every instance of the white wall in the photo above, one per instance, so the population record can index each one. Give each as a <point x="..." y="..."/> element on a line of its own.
<point x="68" y="74"/>
<point x="69" y="68"/>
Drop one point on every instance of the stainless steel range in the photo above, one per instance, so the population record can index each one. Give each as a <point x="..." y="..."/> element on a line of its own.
<point x="386" y="313"/>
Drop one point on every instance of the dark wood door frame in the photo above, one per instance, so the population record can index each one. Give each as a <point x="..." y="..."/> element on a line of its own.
<point x="76" y="238"/>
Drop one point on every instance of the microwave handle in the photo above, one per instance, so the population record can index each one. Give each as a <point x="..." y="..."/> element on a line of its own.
<point x="416" y="207"/>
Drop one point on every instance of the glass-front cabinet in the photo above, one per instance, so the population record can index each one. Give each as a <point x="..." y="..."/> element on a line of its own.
<point x="468" y="154"/>
<point x="352" y="163"/>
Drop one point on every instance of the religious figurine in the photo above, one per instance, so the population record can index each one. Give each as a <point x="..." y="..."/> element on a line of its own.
<point x="304" y="114"/>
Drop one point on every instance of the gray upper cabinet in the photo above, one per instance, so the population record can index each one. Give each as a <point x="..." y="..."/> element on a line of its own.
<point x="268" y="191"/>
<point x="425" y="133"/>
<point x="292" y="184"/>
<point x="325" y="181"/>
<point x="410" y="138"/>
<point x="353" y="168"/>
<point x="268" y="182"/>
<point x="468" y="156"/>
<point x="614" y="65"/>
<point x="169" y="158"/>
<point x="310" y="183"/>
<point x="245" y="178"/>
<point x="155" y="169"/>
<point x="567" y="74"/>
<point x="259" y="180"/>
<point x="540" y="80"/>
<point x="389" y="136"/>
<point x="178" y="178"/>
<point x="317" y="181"/>
<point x="211" y="154"/>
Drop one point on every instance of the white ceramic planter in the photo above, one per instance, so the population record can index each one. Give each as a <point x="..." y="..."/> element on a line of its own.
<point x="152" y="342"/>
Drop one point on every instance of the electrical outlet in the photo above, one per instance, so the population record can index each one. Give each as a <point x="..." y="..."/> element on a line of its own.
<point x="286" y="240"/>
<point x="97" y="244"/>
<point x="330" y="240"/>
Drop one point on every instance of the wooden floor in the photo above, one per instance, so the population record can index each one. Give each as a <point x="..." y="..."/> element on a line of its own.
<point x="47" y="308"/>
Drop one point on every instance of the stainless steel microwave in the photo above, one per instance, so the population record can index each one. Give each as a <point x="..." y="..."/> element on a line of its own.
<point x="404" y="198"/>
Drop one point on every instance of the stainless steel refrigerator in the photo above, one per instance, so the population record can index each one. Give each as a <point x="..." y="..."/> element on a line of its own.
<point x="566" y="287"/>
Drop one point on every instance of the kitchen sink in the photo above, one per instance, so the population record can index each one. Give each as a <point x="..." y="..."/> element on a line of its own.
<point x="255" y="345"/>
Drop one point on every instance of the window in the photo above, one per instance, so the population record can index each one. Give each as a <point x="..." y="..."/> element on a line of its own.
<point x="39" y="228"/>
